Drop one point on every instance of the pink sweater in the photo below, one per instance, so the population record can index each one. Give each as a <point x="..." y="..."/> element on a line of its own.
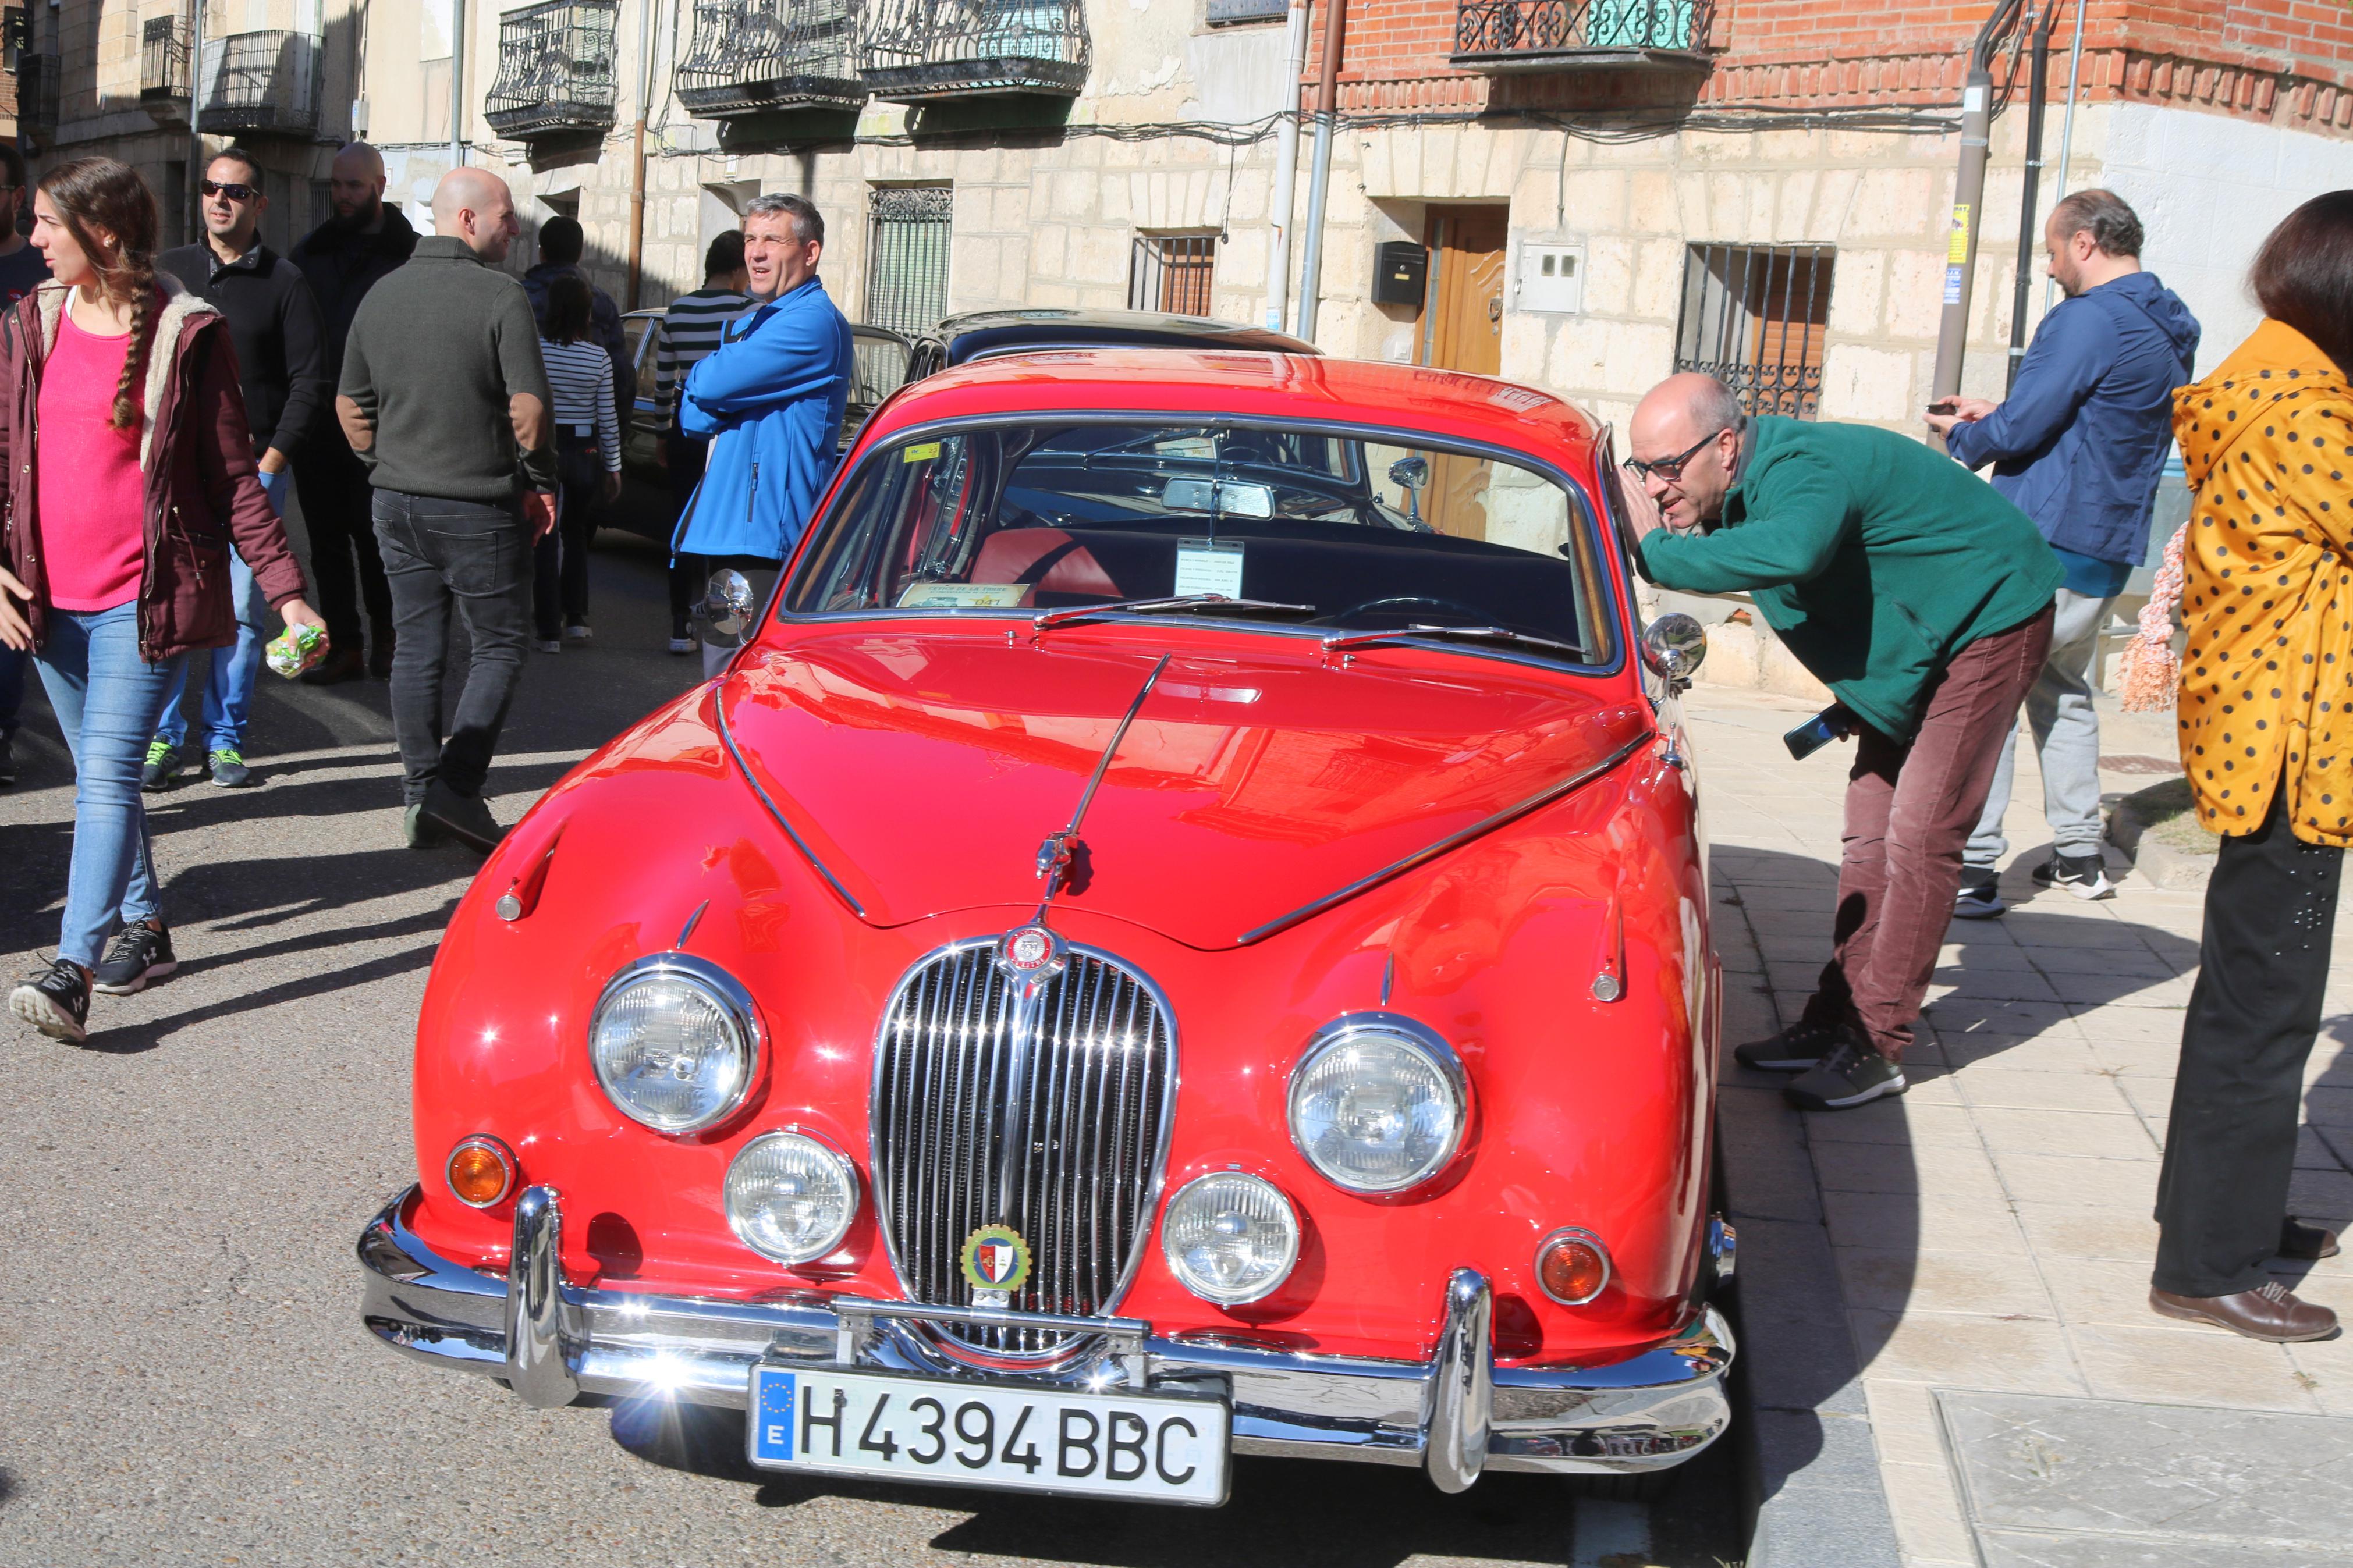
<point x="91" y="495"/>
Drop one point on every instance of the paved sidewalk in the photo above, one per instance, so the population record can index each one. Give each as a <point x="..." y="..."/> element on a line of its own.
<point x="1989" y="1231"/>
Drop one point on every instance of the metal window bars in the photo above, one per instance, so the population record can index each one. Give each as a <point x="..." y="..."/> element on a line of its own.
<point x="907" y="239"/>
<point x="1172" y="272"/>
<point x="556" y="69"/>
<point x="260" y="83"/>
<point x="1506" y="33"/>
<point x="37" y="97"/>
<point x="751" y="56"/>
<point x="914" y="50"/>
<point x="163" y="61"/>
<point x="1754" y="317"/>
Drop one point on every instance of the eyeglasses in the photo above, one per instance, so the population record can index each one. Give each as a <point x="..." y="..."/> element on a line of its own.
<point x="1669" y="468"/>
<point x="233" y="191"/>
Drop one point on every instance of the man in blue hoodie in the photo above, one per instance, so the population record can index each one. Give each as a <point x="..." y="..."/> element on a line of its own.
<point x="2078" y="447"/>
<point x="769" y="401"/>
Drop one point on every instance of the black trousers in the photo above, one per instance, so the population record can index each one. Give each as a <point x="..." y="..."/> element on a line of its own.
<point x="559" y="584"/>
<point x="2230" y="1146"/>
<point x="338" y="511"/>
<point x="688" y="573"/>
<point x="474" y="558"/>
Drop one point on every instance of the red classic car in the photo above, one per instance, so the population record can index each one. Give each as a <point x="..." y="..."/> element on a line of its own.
<point x="1182" y="933"/>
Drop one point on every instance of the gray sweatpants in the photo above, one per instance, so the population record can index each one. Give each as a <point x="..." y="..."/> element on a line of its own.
<point x="2066" y="737"/>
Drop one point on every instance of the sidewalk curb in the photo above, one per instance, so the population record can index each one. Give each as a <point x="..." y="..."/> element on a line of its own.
<point x="2165" y="867"/>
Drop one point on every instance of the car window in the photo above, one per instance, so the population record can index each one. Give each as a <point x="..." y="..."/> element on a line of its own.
<point x="878" y="369"/>
<point x="1372" y="535"/>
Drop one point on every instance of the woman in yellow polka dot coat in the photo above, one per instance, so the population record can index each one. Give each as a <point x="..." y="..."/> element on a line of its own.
<point x="2266" y="721"/>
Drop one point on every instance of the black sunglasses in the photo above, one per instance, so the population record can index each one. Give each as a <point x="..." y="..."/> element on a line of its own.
<point x="1669" y="468"/>
<point x="233" y="191"/>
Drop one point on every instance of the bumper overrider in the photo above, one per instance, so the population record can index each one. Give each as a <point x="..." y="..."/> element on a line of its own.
<point x="1454" y="1415"/>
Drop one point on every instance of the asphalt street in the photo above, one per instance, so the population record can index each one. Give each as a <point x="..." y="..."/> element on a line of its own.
<point x="183" y="1378"/>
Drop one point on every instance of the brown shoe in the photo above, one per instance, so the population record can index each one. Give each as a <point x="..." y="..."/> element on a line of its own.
<point x="2307" y="1243"/>
<point x="2269" y="1311"/>
<point x="341" y="664"/>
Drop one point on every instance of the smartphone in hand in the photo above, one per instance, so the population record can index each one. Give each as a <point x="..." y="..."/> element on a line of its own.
<point x="1945" y="406"/>
<point x="1832" y="724"/>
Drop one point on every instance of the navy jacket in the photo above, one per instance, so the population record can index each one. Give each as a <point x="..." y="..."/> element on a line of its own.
<point x="769" y="400"/>
<point x="2081" y="440"/>
<point x="282" y="349"/>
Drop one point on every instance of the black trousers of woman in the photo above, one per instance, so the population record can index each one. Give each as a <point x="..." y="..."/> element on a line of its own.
<point x="559" y="584"/>
<point x="2230" y="1146"/>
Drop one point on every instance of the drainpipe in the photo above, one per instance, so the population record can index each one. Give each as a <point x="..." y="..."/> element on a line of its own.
<point x="637" y="151"/>
<point x="1968" y="197"/>
<point x="2067" y="132"/>
<point x="457" y="83"/>
<point x="195" y="121"/>
<point x="1286" y="170"/>
<point x="2038" y="81"/>
<point x="1311" y="274"/>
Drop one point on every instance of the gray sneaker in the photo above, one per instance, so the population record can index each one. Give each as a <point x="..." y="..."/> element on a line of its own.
<point x="162" y="766"/>
<point x="1849" y="1076"/>
<point x="446" y="813"/>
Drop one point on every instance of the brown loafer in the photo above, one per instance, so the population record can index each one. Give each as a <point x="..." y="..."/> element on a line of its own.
<point x="2306" y="1243"/>
<point x="2270" y="1313"/>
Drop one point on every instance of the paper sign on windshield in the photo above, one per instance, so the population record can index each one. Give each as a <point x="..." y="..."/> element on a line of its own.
<point x="960" y="595"/>
<point x="1208" y="566"/>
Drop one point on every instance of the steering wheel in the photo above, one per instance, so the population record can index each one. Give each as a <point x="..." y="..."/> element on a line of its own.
<point x="1474" y="617"/>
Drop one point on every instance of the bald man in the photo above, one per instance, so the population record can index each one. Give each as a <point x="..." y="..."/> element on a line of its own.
<point x="1922" y="599"/>
<point x="445" y="397"/>
<point x="342" y="259"/>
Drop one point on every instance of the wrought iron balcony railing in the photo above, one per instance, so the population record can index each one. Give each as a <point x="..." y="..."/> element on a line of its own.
<point x="914" y="50"/>
<point x="753" y="56"/>
<point x="1538" y="34"/>
<point x="260" y="84"/>
<point x="163" y="68"/>
<point x="37" y="97"/>
<point x="556" y="69"/>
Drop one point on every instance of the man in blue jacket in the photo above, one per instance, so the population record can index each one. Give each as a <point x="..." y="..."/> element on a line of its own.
<point x="2078" y="447"/>
<point x="769" y="401"/>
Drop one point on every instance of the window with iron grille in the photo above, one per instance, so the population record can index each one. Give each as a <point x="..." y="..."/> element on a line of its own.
<point x="907" y="238"/>
<point x="1754" y="318"/>
<point x="1172" y="272"/>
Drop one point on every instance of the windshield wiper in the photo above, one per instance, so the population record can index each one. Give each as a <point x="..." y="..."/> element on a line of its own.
<point x="1340" y="640"/>
<point x="1039" y="623"/>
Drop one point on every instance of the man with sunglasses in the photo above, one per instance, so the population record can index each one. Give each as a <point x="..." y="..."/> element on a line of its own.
<point x="281" y="367"/>
<point x="1922" y="599"/>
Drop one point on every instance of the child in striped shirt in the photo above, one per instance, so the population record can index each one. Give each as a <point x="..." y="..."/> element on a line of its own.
<point x="587" y="460"/>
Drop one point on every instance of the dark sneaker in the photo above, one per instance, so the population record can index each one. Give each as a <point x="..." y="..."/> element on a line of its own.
<point x="418" y="832"/>
<point x="2300" y="1240"/>
<point x="7" y="757"/>
<point x="137" y="955"/>
<point x="227" y="768"/>
<point x="1794" y="1049"/>
<point x="1980" y="896"/>
<point x="1852" y="1074"/>
<point x="2086" y="876"/>
<point x="56" y="1001"/>
<point x="681" y="640"/>
<point x="162" y="766"/>
<point x="463" y="817"/>
<point x="577" y="631"/>
<point x="548" y="645"/>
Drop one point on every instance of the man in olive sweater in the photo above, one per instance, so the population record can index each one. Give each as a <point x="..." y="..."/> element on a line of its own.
<point x="445" y="399"/>
<point x="1922" y="599"/>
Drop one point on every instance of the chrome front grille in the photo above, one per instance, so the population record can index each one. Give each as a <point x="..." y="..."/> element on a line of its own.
<point x="1046" y="1110"/>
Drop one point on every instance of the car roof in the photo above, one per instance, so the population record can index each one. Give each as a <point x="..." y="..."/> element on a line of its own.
<point x="1251" y="385"/>
<point x="856" y="328"/>
<point x="979" y="333"/>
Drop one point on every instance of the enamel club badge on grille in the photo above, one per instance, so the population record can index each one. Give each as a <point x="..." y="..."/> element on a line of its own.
<point x="995" y="1261"/>
<point x="1031" y="953"/>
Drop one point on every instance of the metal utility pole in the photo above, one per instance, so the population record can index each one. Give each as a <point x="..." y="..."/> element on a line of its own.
<point x="1968" y="197"/>
<point x="457" y="83"/>
<point x="195" y="120"/>
<point x="1286" y="169"/>
<point x="1327" y="90"/>
<point x="2038" y="82"/>
<point x="637" y="151"/>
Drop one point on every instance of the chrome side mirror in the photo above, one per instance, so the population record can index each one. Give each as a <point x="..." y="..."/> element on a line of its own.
<point x="726" y="610"/>
<point x="1410" y="473"/>
<point x="1673" y="646"/>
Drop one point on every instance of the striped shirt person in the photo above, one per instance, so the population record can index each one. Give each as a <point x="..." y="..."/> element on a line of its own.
<point x="696" y="323"/>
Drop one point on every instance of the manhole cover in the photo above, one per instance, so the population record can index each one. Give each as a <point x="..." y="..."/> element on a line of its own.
<point x="2134" y="764"/>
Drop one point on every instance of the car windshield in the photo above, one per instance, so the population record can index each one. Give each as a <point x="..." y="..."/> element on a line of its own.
<point x="1360" y="535"/>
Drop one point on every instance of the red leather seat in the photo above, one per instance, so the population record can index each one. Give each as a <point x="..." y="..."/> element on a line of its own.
<point x="1044" y="558"/>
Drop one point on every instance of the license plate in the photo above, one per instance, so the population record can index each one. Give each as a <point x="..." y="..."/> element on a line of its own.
<point x="1152" y="1448"/>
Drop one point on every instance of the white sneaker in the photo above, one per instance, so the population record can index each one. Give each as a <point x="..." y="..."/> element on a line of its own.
<point x="550" y="645"/>
<point x="2086" y="876"/>
<point x="681" y="645"/>
<point x="577" y="633"/>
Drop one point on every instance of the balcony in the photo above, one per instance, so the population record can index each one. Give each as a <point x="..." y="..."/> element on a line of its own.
<point x="555" y="70"/>
<point x="164" y="69"/>
<point x="1557" y="35"/>
<point x="917" y="51"/>
<point x="36" y="98"/>
<point x="260" y="84"/>
<point x="759" y="57"/>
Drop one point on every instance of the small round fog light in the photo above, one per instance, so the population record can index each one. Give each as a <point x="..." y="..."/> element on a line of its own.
<point x="1572" y="1265"/>
<point x="481" y="1171"/>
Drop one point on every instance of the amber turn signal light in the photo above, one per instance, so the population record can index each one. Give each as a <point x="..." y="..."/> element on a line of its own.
<point x="1572" y="1267"/>
<point x="481" y="1170"/>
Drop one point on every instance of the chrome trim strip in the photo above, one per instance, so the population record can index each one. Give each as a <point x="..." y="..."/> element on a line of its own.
<point x="1460" y="1407"/>
<point x="538" y="1356"/>
<point x="727" y="739"/>
<point x="1543" y="797"/>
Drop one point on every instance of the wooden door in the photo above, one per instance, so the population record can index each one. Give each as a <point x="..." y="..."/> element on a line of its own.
<point x="1463" y="329"/>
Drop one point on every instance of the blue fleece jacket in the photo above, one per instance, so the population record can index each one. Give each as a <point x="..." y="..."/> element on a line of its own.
<point x="2080" y="441"/>
<point x="770" y="401"/>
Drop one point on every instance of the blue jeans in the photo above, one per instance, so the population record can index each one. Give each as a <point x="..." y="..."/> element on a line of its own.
<point x="229" y="694"/>
<point x="107" y="700"/>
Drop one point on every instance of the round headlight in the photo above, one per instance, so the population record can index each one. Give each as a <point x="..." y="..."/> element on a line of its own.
<point x="675" y="1042"/>
<point x="1376" y="1103"/>
<point x="1229" y="1237"/>
<point x="791" y="1198"/>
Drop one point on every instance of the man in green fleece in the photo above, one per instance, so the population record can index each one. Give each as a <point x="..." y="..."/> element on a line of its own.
<point x="1922" y="599"/>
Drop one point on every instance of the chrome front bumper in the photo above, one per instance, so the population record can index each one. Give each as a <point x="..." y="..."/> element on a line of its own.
<point x="1454" y="1416"/>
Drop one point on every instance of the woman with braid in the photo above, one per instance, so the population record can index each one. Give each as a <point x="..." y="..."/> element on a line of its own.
<point x="129" y="471"/>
